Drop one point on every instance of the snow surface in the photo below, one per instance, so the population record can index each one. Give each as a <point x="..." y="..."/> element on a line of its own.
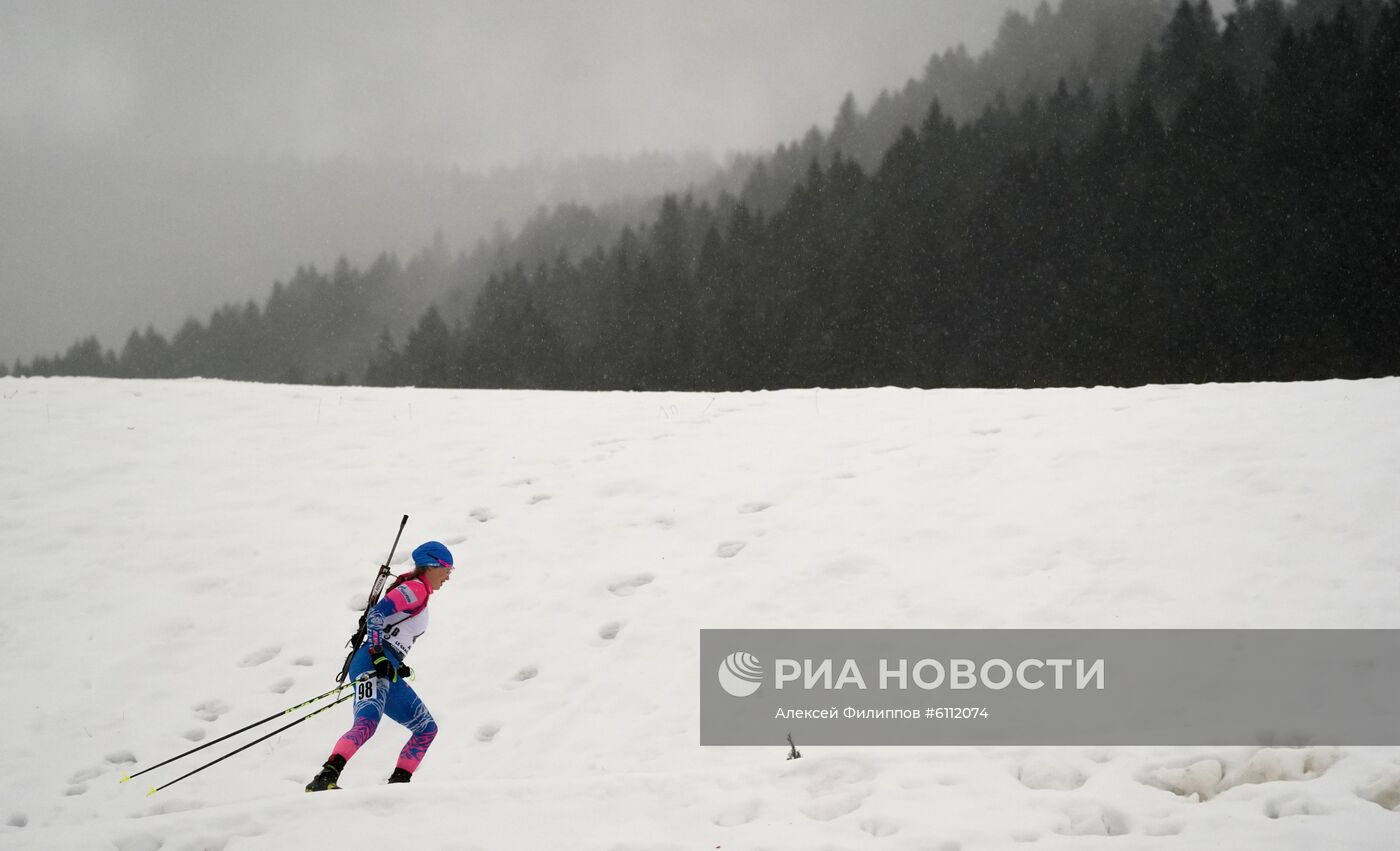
<point x="185" y="557"/>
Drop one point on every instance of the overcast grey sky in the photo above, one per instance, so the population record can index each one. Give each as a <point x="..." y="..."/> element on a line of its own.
<point x="473" y="83"/>
<point x="110" y="110"/>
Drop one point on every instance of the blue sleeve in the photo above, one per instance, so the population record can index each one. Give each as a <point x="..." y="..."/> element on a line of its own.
<point x="374" y="624"/>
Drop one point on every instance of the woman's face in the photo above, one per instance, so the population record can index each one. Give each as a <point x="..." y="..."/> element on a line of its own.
<point x="436" y="577"/>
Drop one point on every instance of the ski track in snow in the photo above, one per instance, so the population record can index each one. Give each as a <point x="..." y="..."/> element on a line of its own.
<point x="219" y="537"/>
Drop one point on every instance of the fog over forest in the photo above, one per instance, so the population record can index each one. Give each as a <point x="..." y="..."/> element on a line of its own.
<point x="160" y="159"/>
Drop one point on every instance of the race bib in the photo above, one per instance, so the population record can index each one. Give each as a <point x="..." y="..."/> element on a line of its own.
<point x="366" y="688"/>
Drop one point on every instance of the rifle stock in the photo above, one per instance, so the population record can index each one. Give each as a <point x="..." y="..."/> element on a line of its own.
<point x="359" y="635"/>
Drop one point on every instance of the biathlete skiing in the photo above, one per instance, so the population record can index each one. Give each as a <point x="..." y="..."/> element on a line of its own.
<point x="379" y="675"/>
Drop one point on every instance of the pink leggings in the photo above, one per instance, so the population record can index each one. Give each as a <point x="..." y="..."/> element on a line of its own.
<point x="400" y="702"/>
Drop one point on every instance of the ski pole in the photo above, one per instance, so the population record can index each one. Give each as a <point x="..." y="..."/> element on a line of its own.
<point x="289" y="710"/>
<point x="250" y="744"/>
<point x="354" y="642"/>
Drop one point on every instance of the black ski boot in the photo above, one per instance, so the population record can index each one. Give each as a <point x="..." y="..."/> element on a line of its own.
<point x="400" y="776"/>
<point x="330" y="773"/>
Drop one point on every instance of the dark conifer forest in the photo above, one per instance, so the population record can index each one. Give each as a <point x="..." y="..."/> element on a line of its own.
<point x="1116" y="193"/>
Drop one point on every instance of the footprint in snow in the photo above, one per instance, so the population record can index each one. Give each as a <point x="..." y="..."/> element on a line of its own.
<point x="84" y="775"/>
<point x="521" y="677"/>
<point x="1046" y="773"/>
<point x="741" y="813"/>
<point x="754" y="507"/>
<point x="121" y="758"/>
<point x="1166" y="827"/>
<point x="1293" y="806"/>
<point x="538" y="498"/>
<point x="487" y="732"/>
<point x="210" y="710"/>
<point x="259" y="657"/>
<point x="194" y="734"/>
<point x="80" y="789"/>
<point x="1384" y="792"/>
<point x="1091" y="820"/>
<point x="880" y="826"/>
<point x="482" y="515"/>
<point x="303" y="661"/>
<point x="729" y="549"/>
<point x="282" y="686"/>
<point x="624" y="587"/>
<point x="831" y="806"/>
<point x="17" y="820"/>
<point x="609" y="631"/>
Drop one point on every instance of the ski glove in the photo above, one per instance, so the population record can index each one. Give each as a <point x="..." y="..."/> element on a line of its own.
<point x="382" y="666"/>
<point x="405" y="672"/>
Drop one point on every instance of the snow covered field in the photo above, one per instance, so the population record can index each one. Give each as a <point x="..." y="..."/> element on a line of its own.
<point x="185" y="557"/>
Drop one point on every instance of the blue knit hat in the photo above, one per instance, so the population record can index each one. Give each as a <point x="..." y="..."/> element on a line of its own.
<point x="432" y="554"/>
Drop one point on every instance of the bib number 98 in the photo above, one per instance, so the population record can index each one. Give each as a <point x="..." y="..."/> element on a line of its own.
<point x="364" y="689"/>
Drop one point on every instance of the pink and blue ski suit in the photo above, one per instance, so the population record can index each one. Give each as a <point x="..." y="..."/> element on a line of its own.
<point x="393" y="625"/>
